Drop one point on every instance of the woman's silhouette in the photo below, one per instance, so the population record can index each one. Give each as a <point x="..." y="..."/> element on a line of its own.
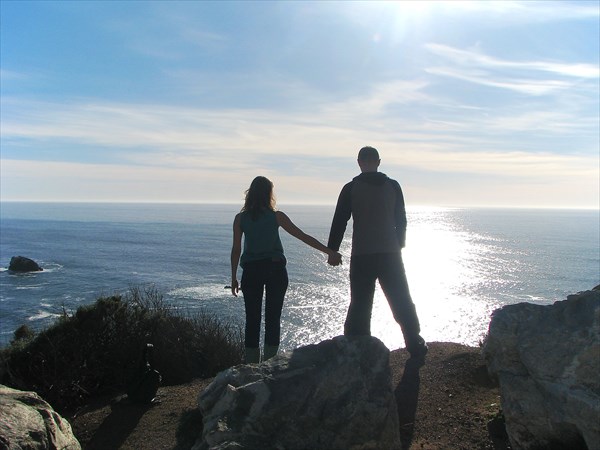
<point x="264" y="265"/>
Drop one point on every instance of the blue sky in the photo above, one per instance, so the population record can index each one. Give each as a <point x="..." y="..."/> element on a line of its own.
<point x="470" y="103"/>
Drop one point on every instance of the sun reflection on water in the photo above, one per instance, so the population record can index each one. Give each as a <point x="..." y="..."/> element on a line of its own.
<point x="447" y="269"/>
<point x="461" y="265"/>
<point x="444" y="269"/>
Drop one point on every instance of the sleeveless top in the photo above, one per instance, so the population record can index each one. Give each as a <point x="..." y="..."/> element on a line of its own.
<point x="261" y="238"/>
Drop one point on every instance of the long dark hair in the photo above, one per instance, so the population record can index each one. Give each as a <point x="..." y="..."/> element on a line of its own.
<point x="259" y="197"/>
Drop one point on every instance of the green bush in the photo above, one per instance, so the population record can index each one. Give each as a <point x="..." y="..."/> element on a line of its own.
<point x="24" y="333"/>
<point x="98" y="349"/>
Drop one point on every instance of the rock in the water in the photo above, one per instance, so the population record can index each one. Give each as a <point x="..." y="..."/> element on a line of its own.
<point x="28" y="422"/>
<point x="547" y="360"/>
<point x="22" y="264"/>
<point x="337" y="394"/>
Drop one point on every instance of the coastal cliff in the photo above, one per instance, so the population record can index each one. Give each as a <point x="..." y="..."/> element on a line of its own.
<point x="452" y="399"/>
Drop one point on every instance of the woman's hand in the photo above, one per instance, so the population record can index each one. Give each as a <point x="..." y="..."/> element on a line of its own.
<point x="235" y="288"/>
<point x="236" y="251"/>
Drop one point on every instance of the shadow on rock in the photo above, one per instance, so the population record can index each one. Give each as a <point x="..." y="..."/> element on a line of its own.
<point x="498" y="435"/>
<point x="189" y="429"/>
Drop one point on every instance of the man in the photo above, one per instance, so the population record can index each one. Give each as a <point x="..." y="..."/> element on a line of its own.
<point x="376" y="205"/>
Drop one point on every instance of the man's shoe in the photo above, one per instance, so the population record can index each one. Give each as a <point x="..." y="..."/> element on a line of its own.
<point x="269" y="351"/>
<point x="417" y="348"/>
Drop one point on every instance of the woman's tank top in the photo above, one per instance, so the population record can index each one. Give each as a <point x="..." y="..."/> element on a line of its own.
<point x="261" y="238"/>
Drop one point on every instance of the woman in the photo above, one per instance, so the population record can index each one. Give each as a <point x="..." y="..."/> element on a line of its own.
<point x="263" y="263"/>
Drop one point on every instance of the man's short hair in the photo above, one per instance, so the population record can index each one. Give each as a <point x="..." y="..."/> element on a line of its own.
<point x="368" y="154"/>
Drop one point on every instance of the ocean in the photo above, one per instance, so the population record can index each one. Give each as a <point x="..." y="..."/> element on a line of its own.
<point x="461" y="264"/>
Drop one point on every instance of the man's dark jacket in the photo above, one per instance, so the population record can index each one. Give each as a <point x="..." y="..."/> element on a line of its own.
<point x="376" y="205"/>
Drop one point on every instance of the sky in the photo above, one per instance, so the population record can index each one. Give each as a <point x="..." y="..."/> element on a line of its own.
<point x="469" y="103"/>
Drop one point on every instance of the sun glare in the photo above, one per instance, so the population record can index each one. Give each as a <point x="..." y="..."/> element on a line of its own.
<point x="414" y="7"/>
<point x="442" y="265"/>
<point x="403" y="11"/>
<point x="393" y="20"/>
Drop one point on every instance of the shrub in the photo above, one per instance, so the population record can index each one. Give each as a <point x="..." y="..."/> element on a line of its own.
<point x="98" y="349"/>
<point x="23" y="333"/>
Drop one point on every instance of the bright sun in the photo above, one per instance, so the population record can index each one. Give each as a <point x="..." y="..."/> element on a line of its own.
<point x="413" y="7"/>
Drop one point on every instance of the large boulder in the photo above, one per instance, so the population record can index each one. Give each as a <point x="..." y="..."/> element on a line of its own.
<point x="22" y="264"/>
<point x="547" y="361"/>
<point x="28" y="422"/>
<point x="337" y="394"/>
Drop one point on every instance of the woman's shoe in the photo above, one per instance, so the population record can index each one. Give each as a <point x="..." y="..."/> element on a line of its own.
<point x="252" y="355"/>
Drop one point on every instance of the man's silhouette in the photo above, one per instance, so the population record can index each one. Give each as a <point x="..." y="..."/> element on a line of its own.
<point x="376" y="205"/>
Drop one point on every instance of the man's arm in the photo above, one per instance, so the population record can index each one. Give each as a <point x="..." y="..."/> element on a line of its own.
<point x="343" y="211"/>
<point x="400" y="213"/>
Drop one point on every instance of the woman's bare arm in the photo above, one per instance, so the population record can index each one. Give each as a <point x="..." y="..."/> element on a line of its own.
<point x="285" y="222"/>
<point x="236" y="251"/>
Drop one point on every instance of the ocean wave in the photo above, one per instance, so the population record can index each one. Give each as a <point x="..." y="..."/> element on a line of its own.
<point x="52" y="267"/>
<point x="31" y="287"/>
<point x="42" y="315"/>
<point x="207" y="291"/>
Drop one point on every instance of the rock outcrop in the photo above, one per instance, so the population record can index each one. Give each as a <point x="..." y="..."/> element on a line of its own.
<point x="28" y="422"/>
<point x="337" y="394"/>
<point x="22" y="264"/>
<point x="547" y="361"/>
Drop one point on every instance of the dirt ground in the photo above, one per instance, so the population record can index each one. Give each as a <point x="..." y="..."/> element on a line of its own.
<point x="449" y="403"/>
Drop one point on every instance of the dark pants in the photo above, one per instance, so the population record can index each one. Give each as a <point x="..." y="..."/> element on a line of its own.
<point x="388" y="268"/>
<point x="258" y="277"/>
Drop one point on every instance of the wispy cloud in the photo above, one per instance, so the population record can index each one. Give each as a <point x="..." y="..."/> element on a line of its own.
<point x="476" y="67"/>
<point x="531" y="87"/>
<point x="514" y="164"/>
<point x="102" y="182"/>
<point x="235" y="140"/>
<point x="167" y="33"/>
<point x="201" y="96"/>
<point x="542" y="11"/>
<point x="477" y="59"/>
<point x="573" y="181"/>
<point x="6" y="75"/>
<point x="492" y="13"/>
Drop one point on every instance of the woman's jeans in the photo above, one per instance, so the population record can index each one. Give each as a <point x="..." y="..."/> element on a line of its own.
<point x="258" y="277"/>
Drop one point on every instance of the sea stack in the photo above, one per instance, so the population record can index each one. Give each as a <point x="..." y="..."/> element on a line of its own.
<point x="22" y="264"/>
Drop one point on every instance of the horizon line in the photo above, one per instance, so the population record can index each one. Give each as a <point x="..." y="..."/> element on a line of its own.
<point x="408" y="207"/>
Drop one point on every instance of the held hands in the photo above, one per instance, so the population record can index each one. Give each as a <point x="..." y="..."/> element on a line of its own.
<point x="334" y="259"/>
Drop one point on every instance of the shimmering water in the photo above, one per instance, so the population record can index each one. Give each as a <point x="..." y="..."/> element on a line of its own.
<point x="461" y="264"/>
